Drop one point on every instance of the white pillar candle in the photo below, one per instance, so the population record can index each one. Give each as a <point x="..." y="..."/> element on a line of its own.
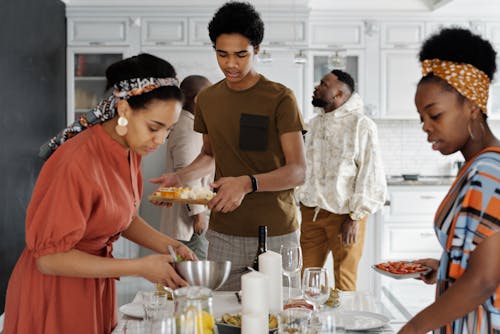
<point x="254" y="323"/>
<point x="254" y="290"/>
<point x="270" y="265"/>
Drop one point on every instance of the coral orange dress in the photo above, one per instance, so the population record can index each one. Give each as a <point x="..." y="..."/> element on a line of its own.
<point x="87" y="193"/>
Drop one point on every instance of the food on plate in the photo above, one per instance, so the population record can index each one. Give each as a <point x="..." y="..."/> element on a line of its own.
<point x="235" y="320"/>
<point x="334" y="298"/>
<point x="188" y="193"/>
<point x="162" y="289"/>
<point x="402" y="267"/>
<point x="332" y="301"/>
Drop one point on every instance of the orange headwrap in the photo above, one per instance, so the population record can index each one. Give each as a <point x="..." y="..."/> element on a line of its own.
<point x="468" y="80"/>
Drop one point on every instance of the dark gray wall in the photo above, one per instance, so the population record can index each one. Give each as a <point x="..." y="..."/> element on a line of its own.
<point x="32" y="108"/>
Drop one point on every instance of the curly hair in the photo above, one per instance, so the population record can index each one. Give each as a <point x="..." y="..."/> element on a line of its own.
<point x="461" y="46"/>
<point x="345" y="78"/>
<point x="237" y="17"/>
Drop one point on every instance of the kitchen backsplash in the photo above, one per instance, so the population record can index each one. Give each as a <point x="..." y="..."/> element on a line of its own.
<point x="405" y="149"/>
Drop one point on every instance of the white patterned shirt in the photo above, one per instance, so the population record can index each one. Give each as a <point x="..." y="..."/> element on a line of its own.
<point x="344" y="174"/>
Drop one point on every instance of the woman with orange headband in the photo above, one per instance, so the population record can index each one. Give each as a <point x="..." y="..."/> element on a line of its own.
<point x="451" y="99"/>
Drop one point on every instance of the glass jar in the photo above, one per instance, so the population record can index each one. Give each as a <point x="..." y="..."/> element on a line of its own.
<point x="193" y="310"/>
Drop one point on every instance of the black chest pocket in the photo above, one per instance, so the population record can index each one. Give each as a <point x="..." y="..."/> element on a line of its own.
<point x="253" y="132"/>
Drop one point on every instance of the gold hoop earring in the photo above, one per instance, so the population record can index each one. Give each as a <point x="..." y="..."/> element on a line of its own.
<point x="470" y="131"/>
<point x="121" y="127"/>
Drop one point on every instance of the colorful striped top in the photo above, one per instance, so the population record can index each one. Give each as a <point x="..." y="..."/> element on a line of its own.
<point x="468" y="215"/>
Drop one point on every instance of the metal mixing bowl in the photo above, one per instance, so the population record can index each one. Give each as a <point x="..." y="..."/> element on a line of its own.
<point x="209" y="274"/>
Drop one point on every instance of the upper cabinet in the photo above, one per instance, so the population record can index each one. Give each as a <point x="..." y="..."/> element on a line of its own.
<point x="399" y="74"/>
<point x="337" y="34"/>
<point x="402" y="34"/>
<point x="164" y="31"/>
<point x="285" y="31"/>
<point x="98" y="31"/>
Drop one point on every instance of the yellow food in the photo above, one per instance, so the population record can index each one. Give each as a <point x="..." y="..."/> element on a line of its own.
<point x="334" y="298"/>
<point x="193" y="318"/>
<point x="235" y="320"/>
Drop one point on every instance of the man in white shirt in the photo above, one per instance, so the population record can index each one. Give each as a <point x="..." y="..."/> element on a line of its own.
<point x="185" y="222"/>
<point x="345" y="181"/>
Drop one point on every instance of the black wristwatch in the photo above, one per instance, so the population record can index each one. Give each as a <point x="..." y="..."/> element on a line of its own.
<point x="255" y="185"/>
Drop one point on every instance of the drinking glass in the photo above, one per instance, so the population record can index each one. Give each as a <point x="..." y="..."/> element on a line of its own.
<point x="156" y="305"/>
<point x="293" y="320"/>
<point x="316" y="286"/>
<point x="323" y="322"/>
<point x="291" y="260"/>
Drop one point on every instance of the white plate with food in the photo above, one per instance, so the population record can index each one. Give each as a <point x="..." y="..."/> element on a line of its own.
<point x="134" y="310"/>
<point x="401" y="269"/>
<point x="361" y="320"/>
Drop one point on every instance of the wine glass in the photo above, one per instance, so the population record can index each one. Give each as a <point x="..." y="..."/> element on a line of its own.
<point x="291" y="261"/>
<point x="316" y="286"/>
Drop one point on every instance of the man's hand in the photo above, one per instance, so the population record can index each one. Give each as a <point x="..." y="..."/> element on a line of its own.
<point x="230" y="193"/>
<point x="349" y="230"/>
<point x="200" y="223"/>
<point x="167" y="180"/>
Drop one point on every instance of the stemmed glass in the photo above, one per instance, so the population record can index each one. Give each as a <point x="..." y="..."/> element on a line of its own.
<point x="316" y="286"/>
<point x="291" y="260"/>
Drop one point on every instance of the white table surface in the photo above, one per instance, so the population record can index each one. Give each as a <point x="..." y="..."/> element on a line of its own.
<point x="226" y="302"/>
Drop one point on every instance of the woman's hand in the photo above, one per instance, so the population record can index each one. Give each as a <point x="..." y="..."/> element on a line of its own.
<point x="430" y="277"/>
<point x="166" y="180"/>
<point x="157" y="268"/>
<point x="186" y="253"/>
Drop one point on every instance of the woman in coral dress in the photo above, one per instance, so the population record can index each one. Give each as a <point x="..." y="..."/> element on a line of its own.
<point x="87" y="195"/>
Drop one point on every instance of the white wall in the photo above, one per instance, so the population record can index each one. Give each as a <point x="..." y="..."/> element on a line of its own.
<point x="405" y="149"/>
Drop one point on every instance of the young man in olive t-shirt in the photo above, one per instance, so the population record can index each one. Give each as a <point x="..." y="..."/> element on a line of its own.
<point x="252" y="130"/>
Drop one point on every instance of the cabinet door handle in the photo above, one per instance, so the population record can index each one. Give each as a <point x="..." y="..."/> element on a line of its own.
<point x="426" y="234"/>
<point x="427" y="197"/>
<point x="95" y="43"/>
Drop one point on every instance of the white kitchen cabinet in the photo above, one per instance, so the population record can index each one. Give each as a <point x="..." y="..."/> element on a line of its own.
<point x="402" y="34"/>
<point x="285" y="31"/>
<point x="198" y="31"/>
<point x="408" y="229"/>
<point x="86" y="77"/>
<point x="164" y="31"/>
<point x="400" y="72"/>
<point x="407" y="233"/>
<point x="493" y="33"/>
<point x="336" y="34"/>
<point x="98" y="31"/>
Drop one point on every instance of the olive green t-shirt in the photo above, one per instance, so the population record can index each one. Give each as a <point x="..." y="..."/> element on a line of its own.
<point x="244" y="128"/>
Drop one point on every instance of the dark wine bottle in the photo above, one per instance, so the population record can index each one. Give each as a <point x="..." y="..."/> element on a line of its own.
<point x="262" y="246"/>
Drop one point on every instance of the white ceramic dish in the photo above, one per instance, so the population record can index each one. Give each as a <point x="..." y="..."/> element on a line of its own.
<point x="361" y="320"/>
<point x="401" y="276"/>
<point x="135" y="310"/>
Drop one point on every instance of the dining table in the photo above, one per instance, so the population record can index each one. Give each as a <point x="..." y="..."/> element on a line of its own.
<point x="351" y="302"/>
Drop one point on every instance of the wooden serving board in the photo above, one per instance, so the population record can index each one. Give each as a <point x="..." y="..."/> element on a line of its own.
<point x="161" y="199"/>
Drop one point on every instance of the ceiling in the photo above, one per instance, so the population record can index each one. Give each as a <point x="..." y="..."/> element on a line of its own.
<point x="366" y="7"/>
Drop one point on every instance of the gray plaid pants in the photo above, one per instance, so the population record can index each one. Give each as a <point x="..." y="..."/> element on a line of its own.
<point x="241" y="252"/>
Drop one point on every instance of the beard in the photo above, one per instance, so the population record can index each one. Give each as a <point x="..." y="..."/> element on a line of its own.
<point x="319" y="103"/>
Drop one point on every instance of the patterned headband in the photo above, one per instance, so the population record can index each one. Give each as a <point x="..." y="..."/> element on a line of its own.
<point x="105" y="110"/>
<point x="468" y="80"/>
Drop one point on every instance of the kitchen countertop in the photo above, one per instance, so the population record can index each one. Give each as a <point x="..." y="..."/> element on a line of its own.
<point x="422" y="180"/>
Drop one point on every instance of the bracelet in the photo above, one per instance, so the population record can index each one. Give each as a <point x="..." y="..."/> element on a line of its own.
<point x="255" y="185"/>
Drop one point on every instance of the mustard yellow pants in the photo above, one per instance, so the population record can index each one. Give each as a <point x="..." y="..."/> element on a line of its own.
<point x="319" y="237"/>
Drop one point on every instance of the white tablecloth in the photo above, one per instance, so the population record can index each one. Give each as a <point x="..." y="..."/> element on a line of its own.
<point x="226" y="302"/>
